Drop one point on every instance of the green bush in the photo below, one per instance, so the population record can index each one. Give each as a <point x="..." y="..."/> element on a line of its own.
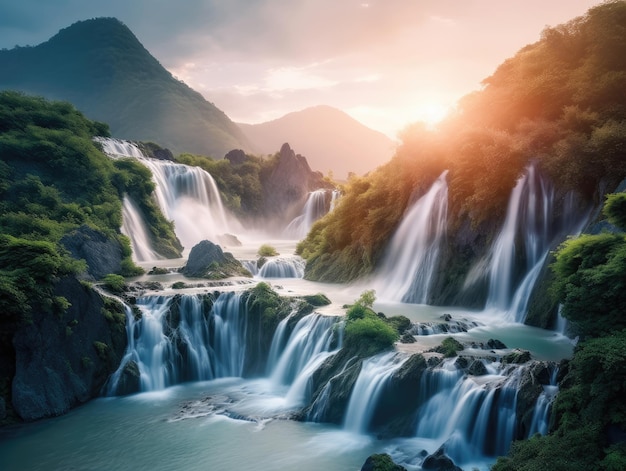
<point x="114" y="283"/>
<point x="365" y="333"/>
<point x="267" y="250"/>
<point x="591" y="283"/>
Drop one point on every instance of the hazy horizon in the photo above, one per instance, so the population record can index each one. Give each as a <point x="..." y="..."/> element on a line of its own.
<point x="386" y="64"/>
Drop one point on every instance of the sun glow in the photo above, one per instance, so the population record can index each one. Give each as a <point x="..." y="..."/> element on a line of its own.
<point x="430" y="113"/>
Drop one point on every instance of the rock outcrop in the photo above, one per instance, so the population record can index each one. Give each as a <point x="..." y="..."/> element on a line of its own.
<point x="208" y="260"/>
<point x="381" y="462"/>
<point x="64" y="360"/>
<point x="102" y="254"/>
<point x="287" y="186"/>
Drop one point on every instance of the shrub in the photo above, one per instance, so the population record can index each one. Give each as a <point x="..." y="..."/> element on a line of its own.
<point x="114" y="283"/>
<point x="267" y="250"/>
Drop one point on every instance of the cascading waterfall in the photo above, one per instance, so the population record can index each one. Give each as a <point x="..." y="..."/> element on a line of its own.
<point x="311" y="337"/>
<point x="168" y="351"/>
<point x="281" y="267"/>
<point x="541" y="414"/>
<point x="186" y="195"/>
<point x="172" y="344"/>
<point x="409" y="265"/>
<point x="314" y="208"/>
<point x="135" y="229"/>
<point x="189" y="197"/>
<point x="116" y="148"/>
<point x="368" y="387"/>
<point x="529" y="207"/>
<point x="472" y="417"/>
<point x="528" y="226"/>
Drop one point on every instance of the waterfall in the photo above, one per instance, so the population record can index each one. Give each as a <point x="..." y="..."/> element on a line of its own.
<point x="473" y="417"/>
<point x="411" y="259"/>
<point x="292" y="267"/>
<point x="171" y="346"/>
<point x="541" y="414"/>
<point x="134" y="228"/>
<point x="176" y="340"/>
<point x="116" y="148"/>
<point x="314" y="208"/>
<point x="528" y="233"/>
<point x="529" y="209"/>
<point x="367" y="389"/>
<point x="333" y="199"/>
<point x="189" y="197"/>
<point x="311" y="337"/>
<point x="229" y="336"/>
<point x="186" y="195"/>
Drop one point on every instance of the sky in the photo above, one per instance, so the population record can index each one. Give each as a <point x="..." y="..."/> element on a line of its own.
<point x="387" y="63"/>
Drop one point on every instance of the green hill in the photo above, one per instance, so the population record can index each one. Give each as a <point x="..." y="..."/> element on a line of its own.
<point x="100" y="67"/>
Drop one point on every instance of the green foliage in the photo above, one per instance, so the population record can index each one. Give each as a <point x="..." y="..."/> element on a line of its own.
<point x="591" y="283"/>
<point x="537" y="106"/>
<point x="615" y="209"/>
<point x="239" y="183"/>
<point x="28" y="272"/>
<point x="267" y="250"/>
<point x="365" y="333"/>
<point x="114" y="283"/>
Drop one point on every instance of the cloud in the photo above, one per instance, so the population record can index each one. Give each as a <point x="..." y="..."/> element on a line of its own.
<point x="259" y="58"/>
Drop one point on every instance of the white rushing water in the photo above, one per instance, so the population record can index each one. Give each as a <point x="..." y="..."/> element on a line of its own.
<point x="186" y="195"/>
<point x="413" y="253"/>
<point x="135" y="229"/>
<point x="314" y="208"/>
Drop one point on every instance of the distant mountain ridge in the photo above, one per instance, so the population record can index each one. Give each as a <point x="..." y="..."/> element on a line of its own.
<point x="329" y="138"/>
<point x="103" y="69"/>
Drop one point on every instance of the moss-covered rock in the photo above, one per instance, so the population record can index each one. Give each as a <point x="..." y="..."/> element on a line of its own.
<point x="317" y="300"/>
<point x="207" y="260"/>
<point x="381" y="462"/>
<point x="449" y="347"/>
<point x="517" y="356"/>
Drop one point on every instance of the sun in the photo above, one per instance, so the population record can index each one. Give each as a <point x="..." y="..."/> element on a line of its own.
<point x="430" y="112"/>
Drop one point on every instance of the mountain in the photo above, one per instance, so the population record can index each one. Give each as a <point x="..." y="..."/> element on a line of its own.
<point x="328" y="137"/>
<point x="103" y="69"/>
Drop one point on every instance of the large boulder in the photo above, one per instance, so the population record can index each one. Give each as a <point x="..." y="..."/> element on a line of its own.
<point x="62" y="360"/>
<point x="103" y="255"/>
<point x="381" y="462"/>
<point x="208" y="260"/>
<point x="439" y="461"/>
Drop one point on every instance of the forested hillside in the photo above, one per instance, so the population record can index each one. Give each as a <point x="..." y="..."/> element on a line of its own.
<point x="101" y="68"/>
<point x="61" y="213"/>
<point x="559" y="103"/>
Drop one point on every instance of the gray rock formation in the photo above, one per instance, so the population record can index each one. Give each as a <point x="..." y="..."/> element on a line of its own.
<point x="208" y="260"/>
<point x="103" y="255"/>
<point x="64" y="360"/>
<point x="287" y="187"/>
<point x="381" y="462"/>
